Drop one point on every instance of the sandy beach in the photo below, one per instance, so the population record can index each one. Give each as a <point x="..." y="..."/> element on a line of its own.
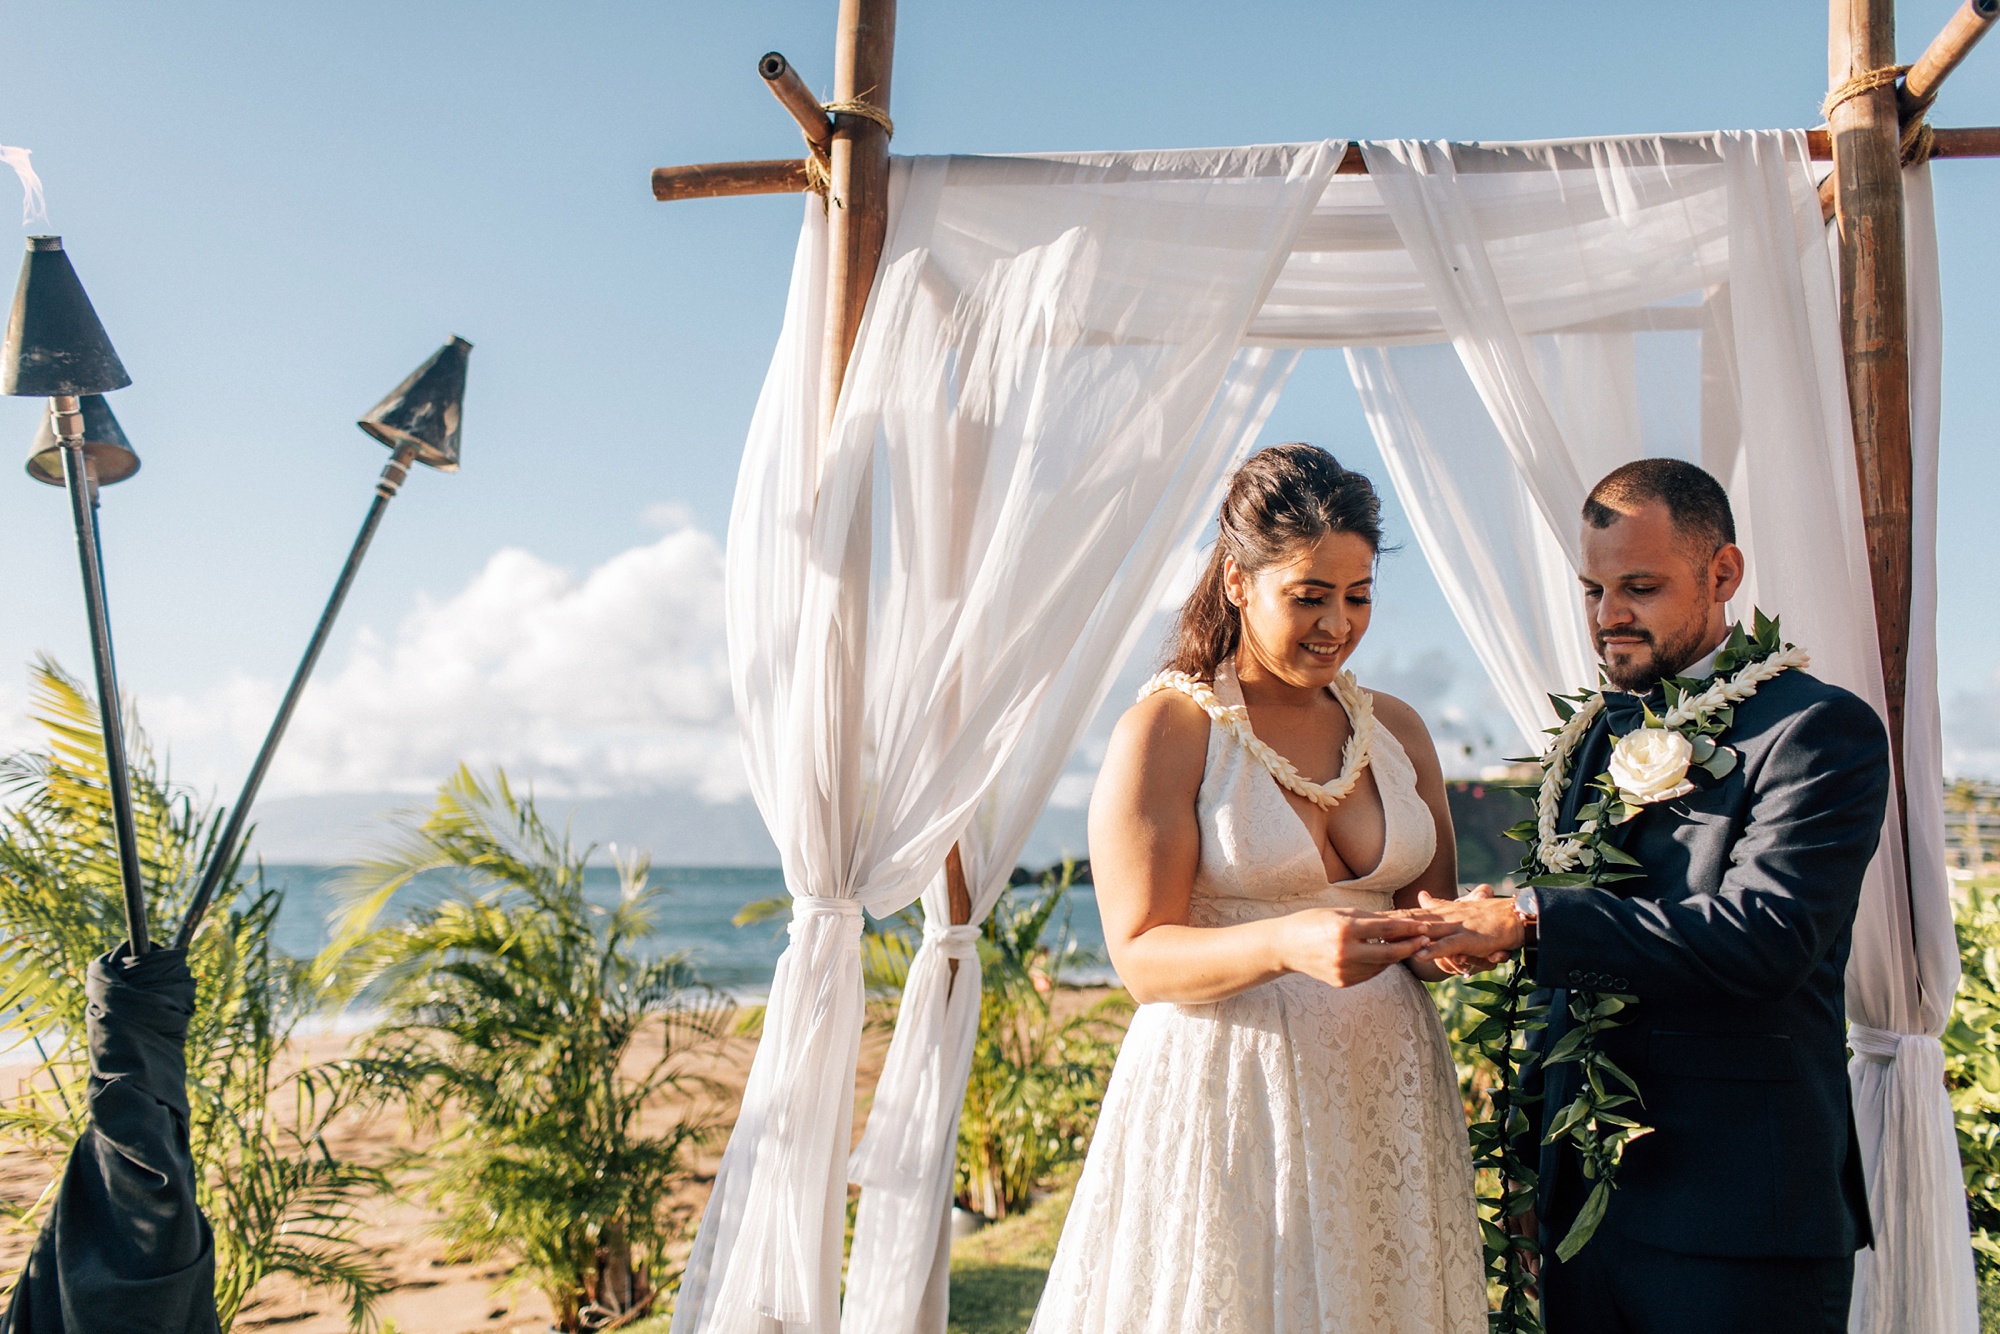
<point x="432" y="1293"/>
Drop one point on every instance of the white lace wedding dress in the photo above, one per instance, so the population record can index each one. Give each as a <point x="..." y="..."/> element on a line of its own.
<point x="1294" y="1158"/>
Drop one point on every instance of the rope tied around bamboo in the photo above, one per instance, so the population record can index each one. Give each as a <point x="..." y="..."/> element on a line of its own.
<point x="1861" y="84"/>
<point x="819" y="161"/>
<point x="1917" y="141"/>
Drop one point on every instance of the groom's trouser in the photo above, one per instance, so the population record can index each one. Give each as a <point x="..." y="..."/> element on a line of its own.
<point x="1616" y="1285"/>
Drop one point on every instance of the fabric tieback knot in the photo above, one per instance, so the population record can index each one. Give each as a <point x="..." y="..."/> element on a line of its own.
<point x="806" y="907"/>
<point x="1885" y="1044"/>
<point x="954" y="942"/>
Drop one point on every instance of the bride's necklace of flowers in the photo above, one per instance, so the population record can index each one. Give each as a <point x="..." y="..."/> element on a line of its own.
<point x="1649" y="765"/>
<point x="1235" y="720"/>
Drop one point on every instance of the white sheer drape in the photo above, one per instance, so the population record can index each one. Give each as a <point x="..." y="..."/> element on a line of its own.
<point x="1029" y="431"/>
<point x="1919" y="1275"/>
<point x="1568" y="279"/>
<point x="898" y="1274"/>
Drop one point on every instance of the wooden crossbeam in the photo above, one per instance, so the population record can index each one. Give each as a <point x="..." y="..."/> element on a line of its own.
<point x="795" y="97"/>
<point x="780" y="176"/>
<point x="1942" y="56"/>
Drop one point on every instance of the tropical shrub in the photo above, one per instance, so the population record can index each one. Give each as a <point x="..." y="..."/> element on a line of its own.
<point x="515" y="1009"/>
<point x="1038" y="1075"/>
<point x="1972" y="1066"/>
<point x="279" y="1198"/>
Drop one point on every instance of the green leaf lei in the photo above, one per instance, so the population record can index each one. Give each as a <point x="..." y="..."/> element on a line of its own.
<point x="1595" y="1121"/>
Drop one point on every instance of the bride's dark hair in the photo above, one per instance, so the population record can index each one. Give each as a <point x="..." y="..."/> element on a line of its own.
<point x="1281" y="499"/>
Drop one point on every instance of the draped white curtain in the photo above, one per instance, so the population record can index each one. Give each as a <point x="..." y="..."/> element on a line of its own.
<point x="1029" y="432"/>
<point x="1919" y="1275"/>
<point x="1611" y="300"/>
<point x="898" y="1273"/>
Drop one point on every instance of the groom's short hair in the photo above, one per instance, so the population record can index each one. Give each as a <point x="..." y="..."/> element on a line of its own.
<point x="1695" y="500"/>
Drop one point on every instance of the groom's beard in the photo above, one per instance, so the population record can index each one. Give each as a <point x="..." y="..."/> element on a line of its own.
<point x="1639" y="674"/>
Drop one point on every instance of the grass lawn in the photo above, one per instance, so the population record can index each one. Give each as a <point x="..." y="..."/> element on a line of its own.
<point x="997" y="1273"/>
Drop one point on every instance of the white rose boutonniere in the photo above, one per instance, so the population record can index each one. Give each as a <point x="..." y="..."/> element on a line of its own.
<point x="1650" y="764"/>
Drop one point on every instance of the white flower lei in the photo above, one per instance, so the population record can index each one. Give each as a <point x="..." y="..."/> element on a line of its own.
<point x="1235" y="720"/>
<point x="1692" y="714"/>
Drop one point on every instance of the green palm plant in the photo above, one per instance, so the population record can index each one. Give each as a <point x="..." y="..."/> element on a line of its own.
<point x="515" y="1007"/>
<point x="1038" y="1075"/>
<point x="1972" y="1067"/>
<point x="279" y="1199"/>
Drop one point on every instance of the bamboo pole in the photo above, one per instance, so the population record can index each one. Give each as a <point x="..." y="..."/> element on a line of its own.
<point x="792" y="93"/>
<point x="1966" y="142"/>
<point x="1866" y="133"/>
<point x="958" y="892"/>
<point x="1941" y="57"/>
<point x="858" y="206"/>
<point x="715" y="180"/>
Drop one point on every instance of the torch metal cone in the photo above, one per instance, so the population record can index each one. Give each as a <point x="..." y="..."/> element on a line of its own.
<point x="105" y="446"/>
<point x="422" y="413"/>
<point x="55" y="344"/>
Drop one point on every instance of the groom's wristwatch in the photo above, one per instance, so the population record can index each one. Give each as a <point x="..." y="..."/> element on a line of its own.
<point x="1528" y="907"/>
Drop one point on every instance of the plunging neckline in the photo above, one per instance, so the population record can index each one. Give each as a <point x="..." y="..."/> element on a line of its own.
<point x="1277" y="790"/>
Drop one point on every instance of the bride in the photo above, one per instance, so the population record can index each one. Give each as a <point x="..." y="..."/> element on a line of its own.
<point x="1282" y="1146"/>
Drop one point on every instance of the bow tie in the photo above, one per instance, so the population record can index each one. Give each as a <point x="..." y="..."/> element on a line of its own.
<point x="1625" y="713"/>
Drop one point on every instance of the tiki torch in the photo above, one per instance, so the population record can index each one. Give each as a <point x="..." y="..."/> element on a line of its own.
<point x="419" y="422"/>
<point x="57" y="349"/>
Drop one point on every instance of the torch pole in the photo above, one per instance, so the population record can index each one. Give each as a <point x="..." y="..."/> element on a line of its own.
<point x="68" y="417"/>
<point x="224" y="854"/>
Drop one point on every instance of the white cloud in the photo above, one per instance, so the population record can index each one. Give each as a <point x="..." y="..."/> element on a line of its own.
<point x="1972" y="732"/>
<point x="612" y="682"/>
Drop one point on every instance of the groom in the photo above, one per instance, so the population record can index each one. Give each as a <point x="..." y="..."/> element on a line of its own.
<point x="1743" y="1208"/>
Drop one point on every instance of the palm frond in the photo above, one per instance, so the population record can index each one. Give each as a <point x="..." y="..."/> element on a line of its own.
<point x="513" y="998"/>
<point x="61" y="906"/>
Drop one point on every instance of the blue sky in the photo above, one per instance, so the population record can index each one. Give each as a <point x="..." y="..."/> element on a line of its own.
<point x="280" y="210"/>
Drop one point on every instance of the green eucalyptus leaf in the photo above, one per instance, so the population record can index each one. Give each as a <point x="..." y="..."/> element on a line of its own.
<point x="1585" y="1226"/>
<point x="1565" y="1049"/>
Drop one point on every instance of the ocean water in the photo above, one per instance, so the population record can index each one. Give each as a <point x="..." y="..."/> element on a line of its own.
<point x="695" y="916"/>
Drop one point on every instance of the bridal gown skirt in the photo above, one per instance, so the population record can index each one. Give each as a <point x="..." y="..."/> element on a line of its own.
<point x="1291" y="1159"/>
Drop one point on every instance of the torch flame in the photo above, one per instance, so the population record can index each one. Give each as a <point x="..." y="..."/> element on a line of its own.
<point x="33" y="206"/>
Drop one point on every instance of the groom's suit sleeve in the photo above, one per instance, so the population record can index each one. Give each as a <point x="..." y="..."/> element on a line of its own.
<point x="1792" y="883"/>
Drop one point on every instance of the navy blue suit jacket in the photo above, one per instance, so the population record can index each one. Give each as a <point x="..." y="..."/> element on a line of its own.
<point x="1735" y="944"/>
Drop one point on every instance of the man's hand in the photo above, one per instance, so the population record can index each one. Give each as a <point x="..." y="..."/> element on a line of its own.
<point x="1460" y="965"/>
<point x="1478" y="927"/>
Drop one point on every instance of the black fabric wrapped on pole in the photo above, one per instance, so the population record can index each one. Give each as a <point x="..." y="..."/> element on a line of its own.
<point x="125" y="1249"/>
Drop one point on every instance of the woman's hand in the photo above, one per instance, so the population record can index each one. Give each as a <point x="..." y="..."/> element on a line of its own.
<point x="1343" y="947"/>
